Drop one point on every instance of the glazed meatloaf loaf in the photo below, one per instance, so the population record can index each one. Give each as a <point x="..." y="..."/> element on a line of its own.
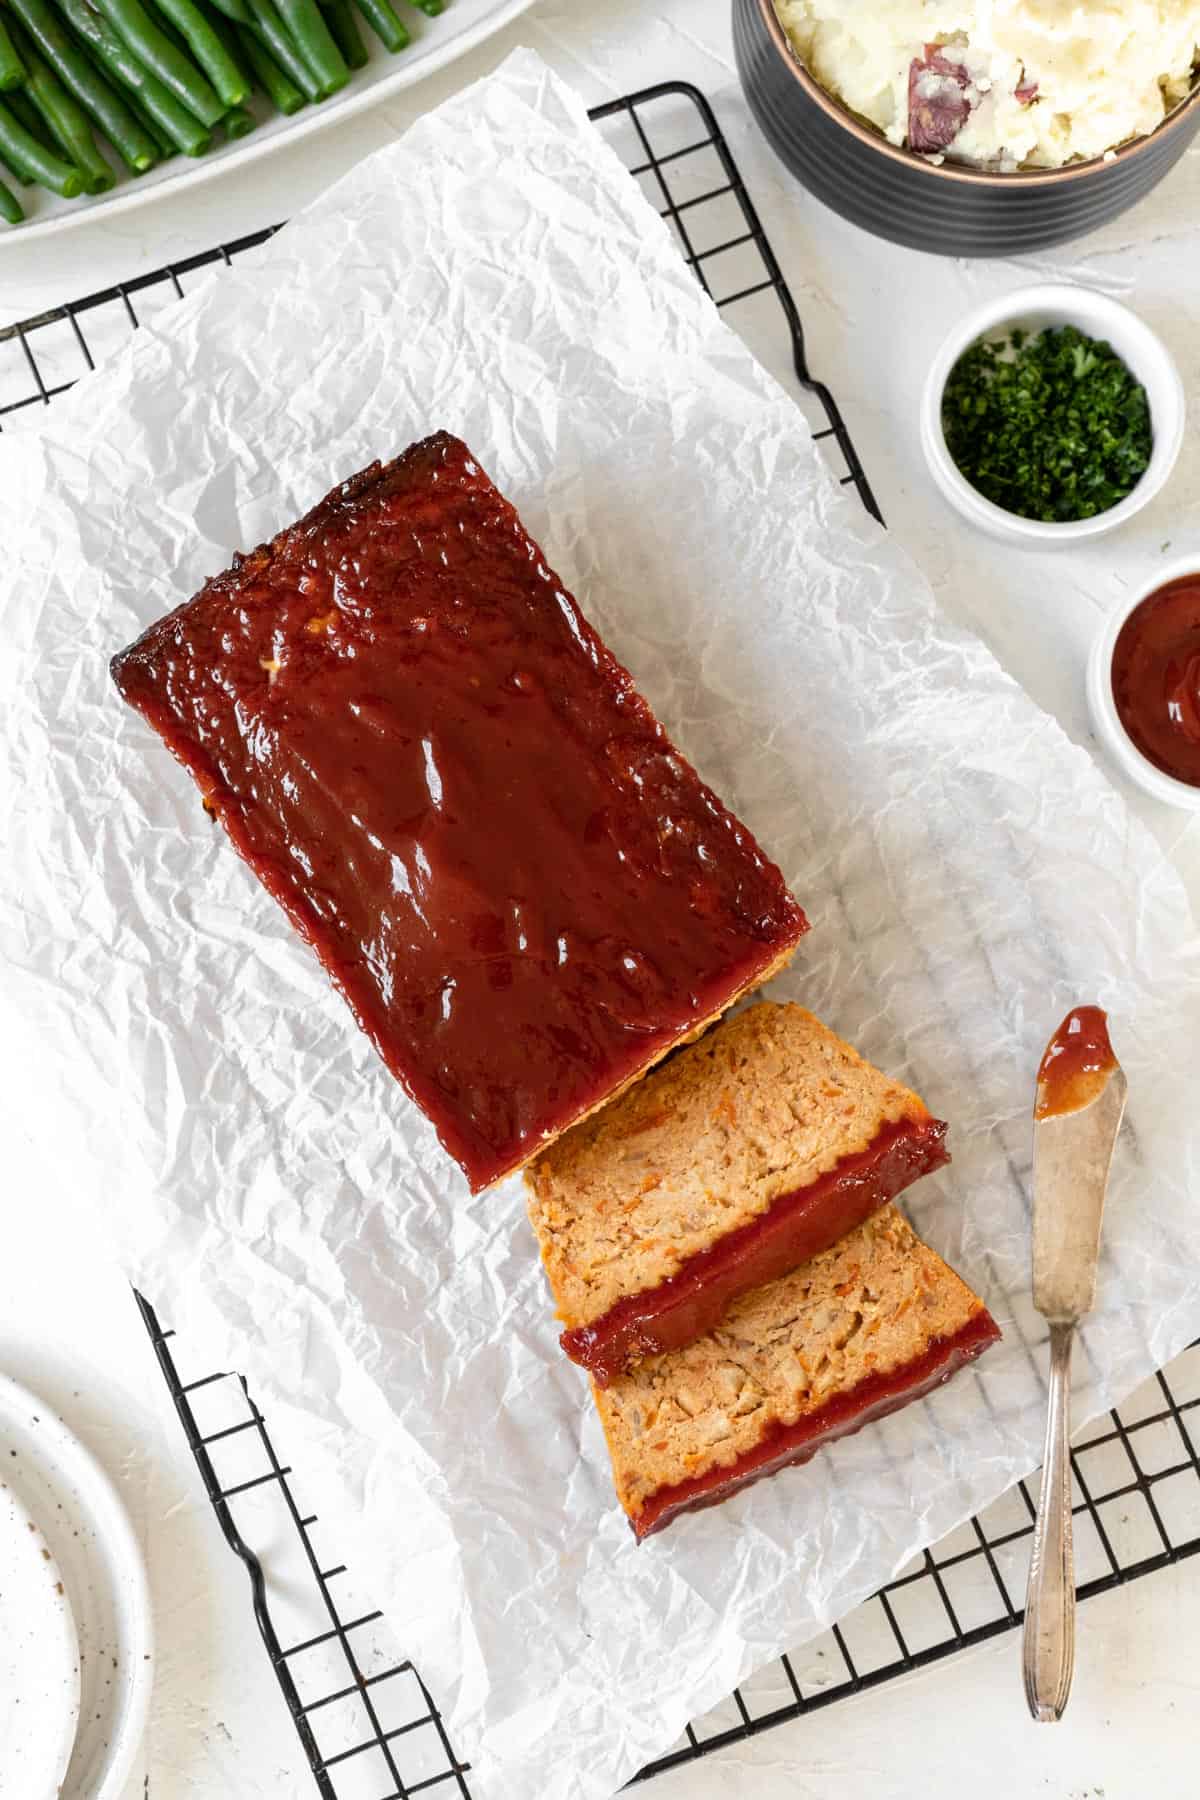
<point x="430" y="759"/>
<point x="744" y="1155"/>
<point x="862" y="1329"/>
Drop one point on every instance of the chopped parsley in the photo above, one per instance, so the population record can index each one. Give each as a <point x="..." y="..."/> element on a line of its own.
<point x="1050" y="427"/>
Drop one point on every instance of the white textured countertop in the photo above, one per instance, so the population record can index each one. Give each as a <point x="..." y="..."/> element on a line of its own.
<point x="873" y="315"/>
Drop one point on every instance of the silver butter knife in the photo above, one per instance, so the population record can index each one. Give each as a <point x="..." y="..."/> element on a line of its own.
<point x="1080" y="1102"/>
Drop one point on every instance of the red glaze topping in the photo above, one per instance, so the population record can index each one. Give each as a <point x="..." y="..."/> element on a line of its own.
<point x="872" y="1399"/>
<point x="796" y="1226"/>
<point x="1078" y="1061"/>
<point x="1156" y="678"/>
<point x="431" y="760"/>
<point x="938" y="102"/>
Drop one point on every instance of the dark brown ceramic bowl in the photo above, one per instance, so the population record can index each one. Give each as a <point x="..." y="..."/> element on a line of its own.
<point x="946" y="208"/>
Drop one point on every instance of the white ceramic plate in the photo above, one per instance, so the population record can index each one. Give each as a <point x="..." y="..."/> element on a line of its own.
<point x="91" y="1542"/>
<point x="435" y="42"/>
<point x="39" y="1657"/>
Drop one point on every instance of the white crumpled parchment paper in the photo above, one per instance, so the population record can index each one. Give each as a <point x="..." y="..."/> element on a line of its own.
<point x="182" y="1061"/>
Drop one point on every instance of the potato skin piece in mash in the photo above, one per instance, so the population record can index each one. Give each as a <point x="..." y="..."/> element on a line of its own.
<point x="938" y="100"/>
<point x="1038" y="86"/>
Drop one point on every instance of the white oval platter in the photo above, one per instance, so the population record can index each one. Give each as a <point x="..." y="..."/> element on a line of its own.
<point x="435" y="43"/>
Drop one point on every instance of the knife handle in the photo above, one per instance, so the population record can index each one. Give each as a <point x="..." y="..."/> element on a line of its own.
<point x="1048" y="1652"/>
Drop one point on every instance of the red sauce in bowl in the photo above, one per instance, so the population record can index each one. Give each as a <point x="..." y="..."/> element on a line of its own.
<point x="1156" y="678"/>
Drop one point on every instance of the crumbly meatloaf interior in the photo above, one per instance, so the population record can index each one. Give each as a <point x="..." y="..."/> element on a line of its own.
<point x="633" y="1083"/>
<point x="869" y="1306"/>
<point x="763" y="1105"/>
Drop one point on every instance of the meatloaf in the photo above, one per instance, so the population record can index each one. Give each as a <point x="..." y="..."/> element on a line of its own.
<point x="857" y="1332"/>
<point x="742" y="1156"/>
<point x="431" y="760"/>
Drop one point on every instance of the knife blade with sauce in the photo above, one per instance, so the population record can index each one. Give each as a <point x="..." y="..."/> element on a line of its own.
<point x="1080" y="1102"/>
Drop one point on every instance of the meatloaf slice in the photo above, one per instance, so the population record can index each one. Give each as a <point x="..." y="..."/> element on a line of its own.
<point x="747" y="1153"/>
<point x="862" y="1329"/>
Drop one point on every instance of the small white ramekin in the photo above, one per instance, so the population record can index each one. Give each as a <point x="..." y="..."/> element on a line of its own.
<point x="1034" y="309"/>
<point x="1105" y="719"/>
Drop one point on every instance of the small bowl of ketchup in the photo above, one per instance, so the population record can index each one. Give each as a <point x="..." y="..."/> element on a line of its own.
<point x="1143" y="686"/>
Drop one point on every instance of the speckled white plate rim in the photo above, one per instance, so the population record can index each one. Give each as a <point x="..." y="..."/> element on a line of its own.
<point x="39" y="1654"/>
<point x="184" y="173"/>
<point x="63" y="1462"/>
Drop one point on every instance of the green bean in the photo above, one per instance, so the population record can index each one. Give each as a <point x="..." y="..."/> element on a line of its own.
<point x="228" y="32"/>
<point x="270" y="28"/>
<point x="348" y="38"/>
<point x="166" y="149"/>
<point x="65" y="118"/>
<point x="29" y="116"/>
<point x="431" y="8"/>
<point x="130" y="20"/>
<point x="173" y="120"/>
<point x="223" y="70"/>
<point x="15" y="167"/>
<point x="385" y="22"/>
<point x="44" y="166"/>
<point x="10" y="207"/>
<point x="171" y="32"/>
<point x="12" y="69"/>
<point x="79" y="147"/>
<point x="51" y="117"/>
<point x="238" y="123"/>
<point x="314" y="40"/>
<point x="236" y="11"/>
<point x="74" y="68"/>
<point x="222" y="29"/>
<point x="279" y="88"/>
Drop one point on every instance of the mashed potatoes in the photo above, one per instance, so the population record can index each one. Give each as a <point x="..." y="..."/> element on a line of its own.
<point x="1002" y="82"/>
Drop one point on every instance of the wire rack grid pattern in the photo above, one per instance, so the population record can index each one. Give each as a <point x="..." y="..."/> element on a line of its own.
<point x="368" y="1727"/>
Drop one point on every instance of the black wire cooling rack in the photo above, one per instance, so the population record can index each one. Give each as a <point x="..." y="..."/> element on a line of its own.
<point x="369" y="1728"/>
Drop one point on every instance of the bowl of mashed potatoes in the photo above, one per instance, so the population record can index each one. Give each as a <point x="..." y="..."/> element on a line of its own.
<point x="974" y="127"/>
